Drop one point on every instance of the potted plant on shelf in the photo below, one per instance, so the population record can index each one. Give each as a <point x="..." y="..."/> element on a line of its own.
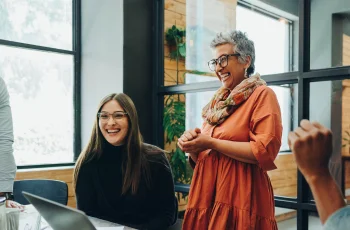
<point x="176" y="41"/>
<point x="347" y="141"/>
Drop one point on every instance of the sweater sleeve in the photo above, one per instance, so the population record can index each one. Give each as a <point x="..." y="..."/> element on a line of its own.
<point x="166" y="214"/>
<point x="266" y="129"/>
<point x="85" y="192"/>
<point x="7" y="161"/>
<point x="338" y="220"/>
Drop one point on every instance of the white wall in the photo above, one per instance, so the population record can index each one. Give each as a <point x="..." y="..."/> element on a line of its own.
<point x="102" y="56"/>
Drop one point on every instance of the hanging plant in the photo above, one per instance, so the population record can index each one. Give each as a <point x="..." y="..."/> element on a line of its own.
<point x="176" y="40"/>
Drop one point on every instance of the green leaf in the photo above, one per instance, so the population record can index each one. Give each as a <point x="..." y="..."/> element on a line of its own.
<point x="182" y="50"/>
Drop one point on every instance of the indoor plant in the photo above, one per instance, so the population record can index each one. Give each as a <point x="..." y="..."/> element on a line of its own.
<point x="347" y="141"/>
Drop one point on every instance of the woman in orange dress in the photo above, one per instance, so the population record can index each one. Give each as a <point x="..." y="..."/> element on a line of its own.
<point x="237" y="145"/>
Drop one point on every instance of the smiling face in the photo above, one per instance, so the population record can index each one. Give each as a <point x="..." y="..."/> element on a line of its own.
<point x="233" y="73"/>
<point x="114" y="130"/>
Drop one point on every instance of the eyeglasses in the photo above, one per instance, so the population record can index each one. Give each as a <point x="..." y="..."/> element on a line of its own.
<point x="104" y="116"/>
<point x="223" y="61"/>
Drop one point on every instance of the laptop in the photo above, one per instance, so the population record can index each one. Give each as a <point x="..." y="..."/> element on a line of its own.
<point x="58" y="216"/>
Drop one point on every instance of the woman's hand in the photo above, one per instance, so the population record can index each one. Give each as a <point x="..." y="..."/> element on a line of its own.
<point x="200" y="143"/>
<point x="189" y="135"/>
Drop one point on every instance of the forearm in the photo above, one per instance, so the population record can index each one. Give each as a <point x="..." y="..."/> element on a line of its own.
<point x="164" y="210"/>
<point x="240" y="151"/>
<point x="161" y="222"/>
<point x="165" y="216"/>
<point x="85" y="194"/>
<point x="323" y="187"/>
<point x="194" y="157"/>
<point x="7" y="161"/>
<point x="7" y="168"/>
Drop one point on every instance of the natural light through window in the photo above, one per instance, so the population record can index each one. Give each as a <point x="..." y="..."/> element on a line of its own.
<point x="39" y="71"/>
<point x="40" y="85"/>
<point x="271" y="40"/>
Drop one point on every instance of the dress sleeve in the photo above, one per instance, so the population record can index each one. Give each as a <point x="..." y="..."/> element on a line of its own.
<point x="266" y="129"/>
<point x="85" y="192"/>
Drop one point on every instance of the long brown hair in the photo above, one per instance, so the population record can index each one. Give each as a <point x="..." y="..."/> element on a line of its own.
<point x="136" y="163"/>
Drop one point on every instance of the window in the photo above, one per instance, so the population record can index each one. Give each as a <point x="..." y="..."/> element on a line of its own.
<point x="329" y="38"/>
<point x="259" y="26"/>
<point x="286" y="99"/>
<point x="189" y="28"/>
<point x="39" y="61"/>
<point x="310" y="78"/>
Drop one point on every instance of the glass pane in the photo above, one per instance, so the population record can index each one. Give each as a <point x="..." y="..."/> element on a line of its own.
<point x="330" y="34"/>
<point x="314" y="221"/>
<point x="286" y="218"/>
<point x="41" y="96"/>
<point x="279" y="32"/>
<point x="195" y="102"/>
<point x="329" y="105"/>
<point x="345" y="136"/>
<point x="45" y="23"/>
<point x="189" y="27"/>
<point x="284" y="178"/>
<point x="174" y="126"/>
<point x="286" y="96"/>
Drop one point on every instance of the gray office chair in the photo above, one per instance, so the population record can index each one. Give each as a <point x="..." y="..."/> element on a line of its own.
<point x="50" y="189"/>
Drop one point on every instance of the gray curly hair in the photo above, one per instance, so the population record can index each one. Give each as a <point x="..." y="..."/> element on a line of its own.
<point x="242" y="44"/>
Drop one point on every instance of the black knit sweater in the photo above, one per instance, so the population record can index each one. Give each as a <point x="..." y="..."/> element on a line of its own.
<point x="99" y="186"/>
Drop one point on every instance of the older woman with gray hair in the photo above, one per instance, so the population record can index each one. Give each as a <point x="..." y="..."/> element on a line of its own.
<point x="236" y="146"/>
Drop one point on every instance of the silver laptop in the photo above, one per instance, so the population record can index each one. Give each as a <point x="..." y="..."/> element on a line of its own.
<point x="58" y="216"/>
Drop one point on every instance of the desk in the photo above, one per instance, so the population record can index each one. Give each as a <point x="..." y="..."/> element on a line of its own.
<point x="30" y="212"/>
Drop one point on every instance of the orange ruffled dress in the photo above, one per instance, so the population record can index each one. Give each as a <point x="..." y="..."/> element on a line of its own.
<point x="226" y="193"/>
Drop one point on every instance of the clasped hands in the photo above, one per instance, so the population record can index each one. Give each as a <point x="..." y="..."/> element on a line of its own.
<point x="193" y="141"/>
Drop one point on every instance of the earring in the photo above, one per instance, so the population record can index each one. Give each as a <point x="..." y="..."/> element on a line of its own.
<point x="245" y="73"/>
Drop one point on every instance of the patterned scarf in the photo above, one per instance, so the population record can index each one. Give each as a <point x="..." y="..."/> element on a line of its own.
<point x="225" y="102"/>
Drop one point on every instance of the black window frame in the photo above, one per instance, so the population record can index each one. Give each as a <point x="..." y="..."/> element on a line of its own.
<point x="76" y="53"/>
<point x="303" y="76"/>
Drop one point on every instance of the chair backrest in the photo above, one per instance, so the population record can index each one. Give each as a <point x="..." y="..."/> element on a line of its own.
<point x="50" y="189"/>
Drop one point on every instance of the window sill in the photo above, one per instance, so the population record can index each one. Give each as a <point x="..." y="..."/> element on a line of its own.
<point x="32" y="168"/>
<point x="284" y="152"/>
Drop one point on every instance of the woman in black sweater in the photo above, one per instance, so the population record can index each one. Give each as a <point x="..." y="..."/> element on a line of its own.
<point x="119" y="178"/>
